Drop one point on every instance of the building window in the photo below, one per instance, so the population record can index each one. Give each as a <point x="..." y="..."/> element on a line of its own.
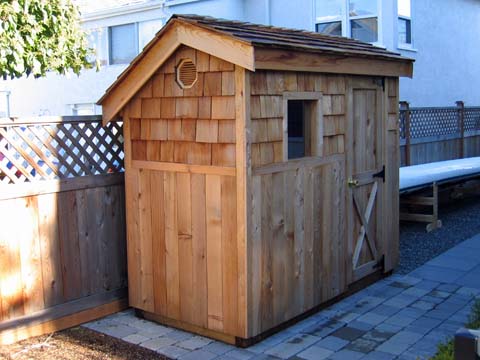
<point x="352" y="18"/>
<point x="123" y="43"/>
<point x="97" y="40"/>
<point x="404" y="23"/>
<point x="147" y="30"/>
<point x="303" y="125"/>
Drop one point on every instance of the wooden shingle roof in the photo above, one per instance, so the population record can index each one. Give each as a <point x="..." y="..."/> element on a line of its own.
<point x="277" y="37"/>
<point x="253" y="47"/>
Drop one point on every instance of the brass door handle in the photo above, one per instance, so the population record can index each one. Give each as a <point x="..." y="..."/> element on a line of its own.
<point x="351" y="182"/>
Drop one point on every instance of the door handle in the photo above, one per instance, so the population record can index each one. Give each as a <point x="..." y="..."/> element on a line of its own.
<point x="352" y="182"/>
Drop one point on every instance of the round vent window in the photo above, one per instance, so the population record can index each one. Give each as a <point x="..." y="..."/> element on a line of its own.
<point x="186" y="73"/>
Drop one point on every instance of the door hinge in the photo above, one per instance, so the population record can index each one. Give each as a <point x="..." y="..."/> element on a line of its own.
<point x="380" y="174"/>
<point x="380" y="263"/>
<point x="380" y="82"/>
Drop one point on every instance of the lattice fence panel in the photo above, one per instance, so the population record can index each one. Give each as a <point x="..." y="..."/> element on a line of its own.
<point x="426" y="122"/>
<point x="46" y="151"/>
<point x="472" y="119"/>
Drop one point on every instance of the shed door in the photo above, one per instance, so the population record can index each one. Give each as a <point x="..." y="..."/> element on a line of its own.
<point x="364" y="175"/>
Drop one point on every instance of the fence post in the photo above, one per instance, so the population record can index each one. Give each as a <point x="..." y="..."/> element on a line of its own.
<point x="461" y="126"/>
<point x="405" y="107"/>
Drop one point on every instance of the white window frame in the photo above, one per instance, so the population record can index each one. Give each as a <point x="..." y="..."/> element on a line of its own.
<point x="316" y="123"/>
<point x="345" y="20"/>
<point x="404" y="45"/>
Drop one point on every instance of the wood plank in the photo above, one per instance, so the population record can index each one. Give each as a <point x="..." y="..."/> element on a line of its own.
<point x="243" y="176"/>
<point x="212" y="85"/>
<point x="231" y="50"/>
<point x="185" y="250"/>
<point x="158" y="130"/>
<point x="157" y="195"/>
<point x="254" y="247"/>
<point x="267" y="251"/>
<point x="229" y="255"/>
<point x="145" y="241"/>
<point x="50" y="326"/>
<point x="223" y="107"/>
<point x="30" y="256"/>
<point x="186" y="107"/>
<point x="69" y="245"/>
<point x="11" y="285"/>
<point x="50" y="249"/>
<point x="274" y="59"/>
<point x="207" y="131"/>
<point x="214" y="252"/>
<point x="228" y="83"/>
<point x="167" y="106"/>
<point x="296" y="164"/>
<point x="218" y="335"/>
<point x="204" y="107"/>
<point x="223" y="155"/>
<point x="150" y="108"/>
<point x="279" y="289"/>
<point x="171" y="246"/>
<point x="199" y="249"/>
<point x="226" y="131"/>
<point x="185" y="168"/>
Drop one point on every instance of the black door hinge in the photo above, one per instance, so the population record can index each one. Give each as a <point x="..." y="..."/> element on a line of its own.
<point x="380" y="82"/>
<point x="380" y="174"/>
<point x="380" y="263"/>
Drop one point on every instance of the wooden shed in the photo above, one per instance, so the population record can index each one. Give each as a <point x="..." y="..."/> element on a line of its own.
<point x="261" y="172"/>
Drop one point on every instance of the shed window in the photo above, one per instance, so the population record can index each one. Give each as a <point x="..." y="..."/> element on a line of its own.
<point x="303" y="128"/>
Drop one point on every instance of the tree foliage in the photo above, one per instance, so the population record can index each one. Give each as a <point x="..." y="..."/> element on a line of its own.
<point x="37" y="36"/>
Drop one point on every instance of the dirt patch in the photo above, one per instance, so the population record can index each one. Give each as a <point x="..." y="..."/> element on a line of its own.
<point x="77" y="343"/>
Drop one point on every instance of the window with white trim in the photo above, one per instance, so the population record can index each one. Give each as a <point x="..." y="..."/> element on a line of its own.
<point x="123" y="43"/>
<point x="357" y="19"/>
<point x="404" y="23"/>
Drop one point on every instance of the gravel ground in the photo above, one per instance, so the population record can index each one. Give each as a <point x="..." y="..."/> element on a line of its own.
<point x="461" y="221"/>
<point x="76" y="343"/>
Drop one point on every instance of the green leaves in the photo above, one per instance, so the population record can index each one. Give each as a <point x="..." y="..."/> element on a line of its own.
<point x="37" y="36"/>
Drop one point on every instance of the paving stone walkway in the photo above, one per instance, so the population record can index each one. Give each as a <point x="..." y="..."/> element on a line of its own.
<point x="400" y="317"/>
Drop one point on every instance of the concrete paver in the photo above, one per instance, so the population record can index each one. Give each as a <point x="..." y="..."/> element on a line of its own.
<point x="400" y="317"/>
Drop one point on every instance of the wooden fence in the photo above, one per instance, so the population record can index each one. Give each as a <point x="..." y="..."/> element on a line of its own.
<point x="436" y="134"/>
<point x="62" y="224"/>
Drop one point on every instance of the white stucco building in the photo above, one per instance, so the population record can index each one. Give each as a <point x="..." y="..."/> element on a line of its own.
<point x="441" y="35"/>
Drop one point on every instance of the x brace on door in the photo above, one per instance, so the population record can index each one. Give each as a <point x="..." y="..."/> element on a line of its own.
<point x="364" y="219"/>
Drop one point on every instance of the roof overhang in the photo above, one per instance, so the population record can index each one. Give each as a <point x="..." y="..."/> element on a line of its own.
<point x="173" y="35"/>
<point x="240" y="52"/>
<point x="288" y="60"/>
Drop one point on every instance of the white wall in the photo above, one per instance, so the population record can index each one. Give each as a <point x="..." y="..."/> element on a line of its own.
<point x="446" y="34"/>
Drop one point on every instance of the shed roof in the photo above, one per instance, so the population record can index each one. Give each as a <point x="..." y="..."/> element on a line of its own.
<point x="252" y="47"/>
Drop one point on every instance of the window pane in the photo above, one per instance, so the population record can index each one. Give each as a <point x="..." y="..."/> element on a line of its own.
<point x="147" y="30"/>
<point x="363" y="7"/>
<point x="404" y="31"/>
<point x="332" y="28"/>
<point x="296" y="129"/>
<point x="123" y="44"/>
<point x="97" y="40"/>
<point x="328" y="10"/>
<point x="365" y="29"/>
<point x="404" y="8"/>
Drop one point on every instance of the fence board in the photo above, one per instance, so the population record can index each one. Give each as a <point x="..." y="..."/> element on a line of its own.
<point x="62" y="236"/>
<point x="437" y="134"/>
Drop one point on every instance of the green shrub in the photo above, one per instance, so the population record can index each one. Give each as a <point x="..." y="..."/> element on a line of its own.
<point x="446" y="350"/>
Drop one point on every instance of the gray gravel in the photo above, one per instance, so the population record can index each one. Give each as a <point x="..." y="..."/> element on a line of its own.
<point x="461" y="221"/>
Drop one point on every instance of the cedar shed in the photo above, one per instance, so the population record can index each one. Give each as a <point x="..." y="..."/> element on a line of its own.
<point x="261" y="173"/>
